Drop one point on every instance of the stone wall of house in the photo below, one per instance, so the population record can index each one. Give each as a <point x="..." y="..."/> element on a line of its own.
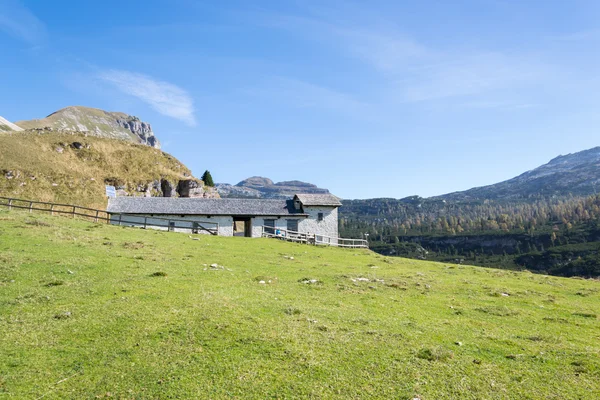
<point x="182" y="224"/>
<point x="310" y="225"/>
<point x="327" y="227"/>
<point x="280" y="223"/>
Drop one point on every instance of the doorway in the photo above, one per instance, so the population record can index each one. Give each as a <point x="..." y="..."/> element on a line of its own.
<point x="242" y="226"/>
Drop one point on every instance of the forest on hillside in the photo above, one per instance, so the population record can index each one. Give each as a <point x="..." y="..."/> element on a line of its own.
<point x="558" y="235"/>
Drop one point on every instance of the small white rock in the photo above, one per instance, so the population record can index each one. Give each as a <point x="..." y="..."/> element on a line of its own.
<point x="262" y="282"/>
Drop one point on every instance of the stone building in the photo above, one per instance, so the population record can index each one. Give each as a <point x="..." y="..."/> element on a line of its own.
<point x="312" y="214"/>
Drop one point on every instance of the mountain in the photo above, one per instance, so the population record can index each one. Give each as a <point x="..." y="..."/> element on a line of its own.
<point x="577" y="174"/>
<point x="260" y="187"/>
<point x="7" y="126"/>
<point x="96" y="122"/>
<point x="70" y="156"/>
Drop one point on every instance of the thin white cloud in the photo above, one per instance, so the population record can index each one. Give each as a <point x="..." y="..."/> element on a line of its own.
<point x="592" y="34"/>
<point x="300" y="94"/>
<point x="19" y="22"/>
<point x="164" y="97"/>
<point x="412" y="70"/>
<point x="471" y="75"/>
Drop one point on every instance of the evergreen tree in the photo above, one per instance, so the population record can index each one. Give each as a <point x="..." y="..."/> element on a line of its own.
<point x="207" y="178"/>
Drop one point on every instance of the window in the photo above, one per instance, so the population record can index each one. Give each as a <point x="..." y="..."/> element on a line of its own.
<point x="320" y="217"/>
<point x="171" y="226"/>
<point x="292" y="225"/>
<point x="269" y="226"/>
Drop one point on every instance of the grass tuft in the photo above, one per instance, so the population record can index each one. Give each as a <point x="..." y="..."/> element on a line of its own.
<point x="435" y="354"/>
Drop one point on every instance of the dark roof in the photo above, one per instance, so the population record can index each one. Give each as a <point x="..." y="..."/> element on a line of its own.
<point x="319" y="200"/>
<point x="200" y="206"/>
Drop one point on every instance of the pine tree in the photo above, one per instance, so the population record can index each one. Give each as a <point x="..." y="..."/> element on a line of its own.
<point x="207" y="178"/>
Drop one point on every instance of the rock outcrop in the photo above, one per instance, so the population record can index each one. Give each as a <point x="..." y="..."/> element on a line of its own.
<point x="142" y="130"/>
<point x="7" y="126"/>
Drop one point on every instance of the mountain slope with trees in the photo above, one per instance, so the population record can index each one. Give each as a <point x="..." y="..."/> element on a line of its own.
<point x="550" y="207"/>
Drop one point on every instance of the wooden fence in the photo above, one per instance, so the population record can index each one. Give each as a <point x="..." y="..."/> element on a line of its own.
<point x="95" y="215"/>
<point x="314" y="239"/>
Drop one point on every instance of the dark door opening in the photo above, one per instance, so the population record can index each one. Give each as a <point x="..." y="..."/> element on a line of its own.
<point x="242" y="226"/>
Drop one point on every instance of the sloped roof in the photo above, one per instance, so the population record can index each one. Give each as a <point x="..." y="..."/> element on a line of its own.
<point x="318" y="200"/>
<point x="200" y="206"/>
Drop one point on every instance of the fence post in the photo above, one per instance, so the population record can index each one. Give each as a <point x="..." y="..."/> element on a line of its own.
<point x="120" y="215"/>
<point x="10" y="204"/>
<point x="31" y="206"/>
<point x="52" y="209"/>
<point x="145" y="222"/>
<point x="73" y="212"/>
<point x="96" y="219"/>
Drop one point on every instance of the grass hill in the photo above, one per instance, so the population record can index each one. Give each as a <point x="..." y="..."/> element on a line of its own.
<point x="97" y="311"/>
<point x="96" y="122"/>
<point x="73" y="168"/>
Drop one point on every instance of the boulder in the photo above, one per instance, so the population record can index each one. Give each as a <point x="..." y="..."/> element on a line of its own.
<point x="167" y="188"/>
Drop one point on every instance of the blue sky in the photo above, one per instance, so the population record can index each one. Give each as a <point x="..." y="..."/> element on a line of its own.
<point x="367" y="99"/>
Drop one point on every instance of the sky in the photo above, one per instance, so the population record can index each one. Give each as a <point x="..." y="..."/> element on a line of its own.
<point x="368" y="99"/>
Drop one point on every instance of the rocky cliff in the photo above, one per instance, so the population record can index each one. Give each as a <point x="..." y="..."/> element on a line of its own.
<point x="261" y="187"/>
<point x="95" y="122"/>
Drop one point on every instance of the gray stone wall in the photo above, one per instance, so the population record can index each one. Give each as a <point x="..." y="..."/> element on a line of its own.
<point x="327" y="227"/>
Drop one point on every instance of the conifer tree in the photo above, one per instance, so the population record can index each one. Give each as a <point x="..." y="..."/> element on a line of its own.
<point x="207" y="178"/>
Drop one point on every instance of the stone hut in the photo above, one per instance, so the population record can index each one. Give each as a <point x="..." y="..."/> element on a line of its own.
<point x="314" y="214"/>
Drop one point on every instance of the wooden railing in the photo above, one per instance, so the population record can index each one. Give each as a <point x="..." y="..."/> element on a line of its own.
<point x="95" y="215"/>
<point x="314" y="239"/>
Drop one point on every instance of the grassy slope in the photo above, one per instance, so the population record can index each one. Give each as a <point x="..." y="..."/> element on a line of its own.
<point x="199" y="333"/>
<point x="35" y="155"/>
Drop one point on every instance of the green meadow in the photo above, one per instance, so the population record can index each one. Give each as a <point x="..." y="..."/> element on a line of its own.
<point x="95" y="311"/>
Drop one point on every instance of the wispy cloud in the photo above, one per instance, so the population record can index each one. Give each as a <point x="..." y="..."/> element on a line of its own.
<point x="300" y="94"/>
<point x="413" y="70"/>
<point x="470" y="75"/>
<point x="19" y="22"/>
<point x="592" y="34"/>
<point x="164" y="97"/>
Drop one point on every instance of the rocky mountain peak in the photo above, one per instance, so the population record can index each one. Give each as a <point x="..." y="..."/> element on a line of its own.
<point x="576" y="174"/>
<point x="261" y="187"/>
<point x="255" y="181"/>
<point x="96" y="122"/>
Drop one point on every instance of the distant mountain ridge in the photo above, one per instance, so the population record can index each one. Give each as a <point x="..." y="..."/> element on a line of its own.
<point x="576" y="173"/>
<point x="261" y="187"/>
<point x="96" y="122"/>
